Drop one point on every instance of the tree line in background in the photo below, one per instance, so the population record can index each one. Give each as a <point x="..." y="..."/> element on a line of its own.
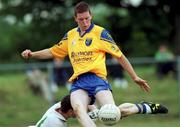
<point x="138" y="28"/>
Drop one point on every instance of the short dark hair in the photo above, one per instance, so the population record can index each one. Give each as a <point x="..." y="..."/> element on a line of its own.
<point x="81" y="7"/>
<point x="66" y="104"/>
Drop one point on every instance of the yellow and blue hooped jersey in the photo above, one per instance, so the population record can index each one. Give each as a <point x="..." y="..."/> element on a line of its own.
<point x="87" y="52"/>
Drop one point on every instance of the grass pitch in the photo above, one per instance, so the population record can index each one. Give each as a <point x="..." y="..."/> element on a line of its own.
<point x="20" y="108"/>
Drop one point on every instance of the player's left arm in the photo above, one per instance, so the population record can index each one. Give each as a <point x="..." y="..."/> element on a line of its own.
<point x="128" y="67"/>
<point x="108" y="45"/>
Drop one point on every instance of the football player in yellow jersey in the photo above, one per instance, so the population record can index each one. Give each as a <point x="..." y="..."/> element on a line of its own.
<point x="86" y="47"/>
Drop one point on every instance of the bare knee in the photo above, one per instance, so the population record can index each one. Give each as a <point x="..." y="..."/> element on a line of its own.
<point x="125" y="106"/>
<point x="128" y="109"/>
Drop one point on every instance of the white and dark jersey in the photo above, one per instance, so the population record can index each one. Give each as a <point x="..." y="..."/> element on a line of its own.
<point x="52" y="118"/>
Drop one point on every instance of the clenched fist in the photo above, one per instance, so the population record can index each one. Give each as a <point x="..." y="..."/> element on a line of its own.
<point x="26" y="54"/>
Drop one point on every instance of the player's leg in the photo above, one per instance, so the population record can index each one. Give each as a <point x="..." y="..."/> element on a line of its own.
<point x="128" y="109"/>
<point x="79" y="102"/>
<point x="104" y="97"/>
<point x="155" y="108"/>
<point x="142" y="108"/>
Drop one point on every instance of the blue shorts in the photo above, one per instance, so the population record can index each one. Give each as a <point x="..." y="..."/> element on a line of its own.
<point x="91" y="83"/>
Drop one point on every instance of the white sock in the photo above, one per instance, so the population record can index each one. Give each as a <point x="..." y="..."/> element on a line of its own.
<point x="148" y="109"/>
<point x="144" y="108"/>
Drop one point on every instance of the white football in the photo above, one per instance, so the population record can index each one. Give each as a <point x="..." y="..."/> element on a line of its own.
<point x="109" y="114"/>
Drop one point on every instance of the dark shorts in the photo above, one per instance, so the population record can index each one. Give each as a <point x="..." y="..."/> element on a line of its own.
<point x="91" y="83"/>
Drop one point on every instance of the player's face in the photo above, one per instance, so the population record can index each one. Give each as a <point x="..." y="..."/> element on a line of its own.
<point x="83" y="20"/>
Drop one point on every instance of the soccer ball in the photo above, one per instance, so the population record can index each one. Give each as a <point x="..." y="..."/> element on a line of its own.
<point x="109" y="114"/>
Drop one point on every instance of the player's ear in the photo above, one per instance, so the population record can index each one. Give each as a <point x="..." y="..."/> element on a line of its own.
<point x="71" y="112"/>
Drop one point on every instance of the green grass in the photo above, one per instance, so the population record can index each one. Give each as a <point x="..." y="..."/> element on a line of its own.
<point x="20" y="108"/>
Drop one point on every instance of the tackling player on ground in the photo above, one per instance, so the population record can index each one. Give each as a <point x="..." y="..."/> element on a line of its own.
<point x="58" y="114"/>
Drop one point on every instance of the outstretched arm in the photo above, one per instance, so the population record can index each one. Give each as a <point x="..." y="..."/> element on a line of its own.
<point x="128" y="67"/>
<point x="42" y="54"/>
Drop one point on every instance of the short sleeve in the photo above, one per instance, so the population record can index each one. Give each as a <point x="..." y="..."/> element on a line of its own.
<point x="60" y="50"/>
<point x="53" y="121"/>
<point x="108" y="45"/>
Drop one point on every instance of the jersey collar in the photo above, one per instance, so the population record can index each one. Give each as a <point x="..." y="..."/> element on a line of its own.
<point x="87" y="31"/>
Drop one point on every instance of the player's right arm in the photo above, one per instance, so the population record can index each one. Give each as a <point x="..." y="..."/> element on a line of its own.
<point x="42" y="54"/>
<point x="59" y="50"/>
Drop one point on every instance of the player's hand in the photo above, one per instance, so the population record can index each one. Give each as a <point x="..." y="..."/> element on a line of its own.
<point x="143" y="84"/>
<point x="26" y="54"/>
<point x="94" y="114"/>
